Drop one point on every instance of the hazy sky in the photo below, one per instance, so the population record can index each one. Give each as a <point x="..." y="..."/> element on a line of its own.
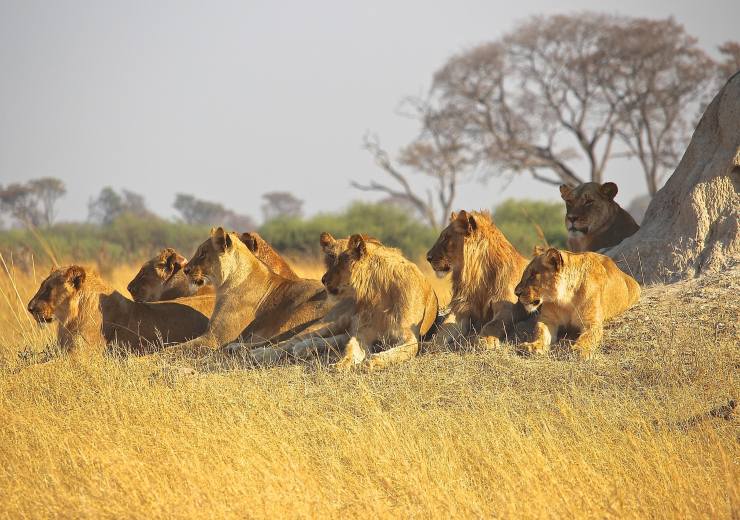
<point x="228" y="100"/>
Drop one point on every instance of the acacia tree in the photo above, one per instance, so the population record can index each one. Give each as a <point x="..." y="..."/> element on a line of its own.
<point x="196" y="211"/>
<point x="48" y="191"/>
<point x="281" y="204"/>
<point x="109" y="205"/>
<point x="437" y="153"/>
<point x="657" y="74"/>
<point x="560" y="96"/>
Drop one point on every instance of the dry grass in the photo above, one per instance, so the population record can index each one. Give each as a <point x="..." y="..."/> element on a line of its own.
<point x="448" y="434"/>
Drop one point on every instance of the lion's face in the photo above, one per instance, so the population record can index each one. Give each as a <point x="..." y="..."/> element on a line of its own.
<point x="151" y="280"/>
<point x="446" y="254"/>
<point x="332" y="249"/>
<point x="206" y="264"/>
<point x="589" y="207"/>
<point x="540" y="280"/>
<point x="337" y="277"/>
<point x="57" y="294"/>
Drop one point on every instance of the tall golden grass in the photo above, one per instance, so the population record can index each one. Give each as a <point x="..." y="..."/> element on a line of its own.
<point x="463" y="434"/>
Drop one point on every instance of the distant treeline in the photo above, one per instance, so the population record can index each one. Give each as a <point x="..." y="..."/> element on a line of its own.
<point x="131" y="238"/>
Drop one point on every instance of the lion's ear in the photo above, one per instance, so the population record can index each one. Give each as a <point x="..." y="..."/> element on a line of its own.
<point x="565" y="191"/>
<point x="75" y="275"/>
<point x="221" y="239"/>
<point x="554" y="258"/>
<point x="537" y="250"/>
<point x="453" y="216"/>
<point x="467" y="221"/>
<point x="250" y="241"/>
<point x="357" y="246"/>
<point x="609" y="190"/>
<point x="174" y="262"/>
<point x="326" y="240"/>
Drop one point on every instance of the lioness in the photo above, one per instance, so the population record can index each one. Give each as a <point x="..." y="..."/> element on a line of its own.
<point x="485" y="269"/>
<point x="91" y="314"/>
<point x="161" y="278"/>
<point x="593" y="219"/>
<point x="253" y="303"/>
<point x="574" y="291"/>
<point x="393" y="302"/>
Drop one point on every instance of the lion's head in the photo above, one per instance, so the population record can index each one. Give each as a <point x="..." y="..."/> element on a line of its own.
<point x="58" y="294"/>
<point x="151" y="280"/>
<point x="539" y="282"/>
<point x="338" y="274"/>
<point x="213" y="258"/>
<point x="590" y="207"/>
<point x="447" y="253"/>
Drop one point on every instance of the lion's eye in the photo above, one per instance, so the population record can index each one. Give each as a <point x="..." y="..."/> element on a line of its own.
<point x="588" y="203"/>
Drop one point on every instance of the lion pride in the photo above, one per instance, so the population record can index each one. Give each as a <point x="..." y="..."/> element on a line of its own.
<point x="593" y="219"/>
<point x="574" y="291"/>
<point x="90" y="314"/>
<point x="485" y="269"/>
<point x="394" y="304"/>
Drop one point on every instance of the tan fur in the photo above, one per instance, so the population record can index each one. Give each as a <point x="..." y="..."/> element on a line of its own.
<point x="253" y="304"/>
<point x="485" y="269"/>
<point x="394" y="303"/>
<point x="91" y="314"/>
<point x="574" y="291"/>
<point x="593" y="219"/>
<point x="162" y="278"/>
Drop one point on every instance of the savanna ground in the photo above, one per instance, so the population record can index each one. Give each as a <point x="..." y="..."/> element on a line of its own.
<point x="458" y="433"/>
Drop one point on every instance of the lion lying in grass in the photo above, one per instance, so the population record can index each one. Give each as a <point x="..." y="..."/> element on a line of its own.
<point x="91" y="314"/>
<point x="485" y="269"/>
<point x="394" y="303"/>
<point x="162" y="278"/>
<point x="574" y="291"/>
<point x="253" y="304"/>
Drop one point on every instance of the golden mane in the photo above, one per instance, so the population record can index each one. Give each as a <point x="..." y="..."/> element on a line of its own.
<point x="491" y="268"/>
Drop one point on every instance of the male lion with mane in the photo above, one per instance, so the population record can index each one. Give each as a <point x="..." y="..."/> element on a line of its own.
<point x="485" y="269"/>
<point x="91" y="314"/>
<point x="593" y="219"/>
<point x="162" y="278"/>
<point x="394" y="303"/>
<point x="574" y="291"/>
<point x="253" y="303"/>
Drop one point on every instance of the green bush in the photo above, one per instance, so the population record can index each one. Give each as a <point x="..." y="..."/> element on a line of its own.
<point x="392" y="226"/>
<point x="519" y="220"/>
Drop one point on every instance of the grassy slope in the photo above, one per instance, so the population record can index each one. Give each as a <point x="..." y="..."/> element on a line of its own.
<point x="464" y="434"/>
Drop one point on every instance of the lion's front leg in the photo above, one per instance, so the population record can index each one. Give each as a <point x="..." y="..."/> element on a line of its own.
<point x="541" y="341"/>
<point x="317" y="346"/>
<point x="407" y="348"/>
<point x="589" y="340"/>
<point x="355" y="353"/>
<point x="453" y="331"/>
<point x="195" y="348"/>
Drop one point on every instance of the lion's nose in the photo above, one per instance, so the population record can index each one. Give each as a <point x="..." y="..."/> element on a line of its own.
<point x="186" y="270"/>
<point x="572" y="218"/>
<point x="429" y="257"/>
<point x="518" y="291"/>
<point x="323" y="279"/>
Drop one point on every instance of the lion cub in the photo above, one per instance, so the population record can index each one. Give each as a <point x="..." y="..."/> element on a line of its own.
<point x="393" y="302"/>
<point x="575" y="291"/>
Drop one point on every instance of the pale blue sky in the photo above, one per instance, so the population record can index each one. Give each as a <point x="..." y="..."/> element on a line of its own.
<point x="164" y="97"/>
